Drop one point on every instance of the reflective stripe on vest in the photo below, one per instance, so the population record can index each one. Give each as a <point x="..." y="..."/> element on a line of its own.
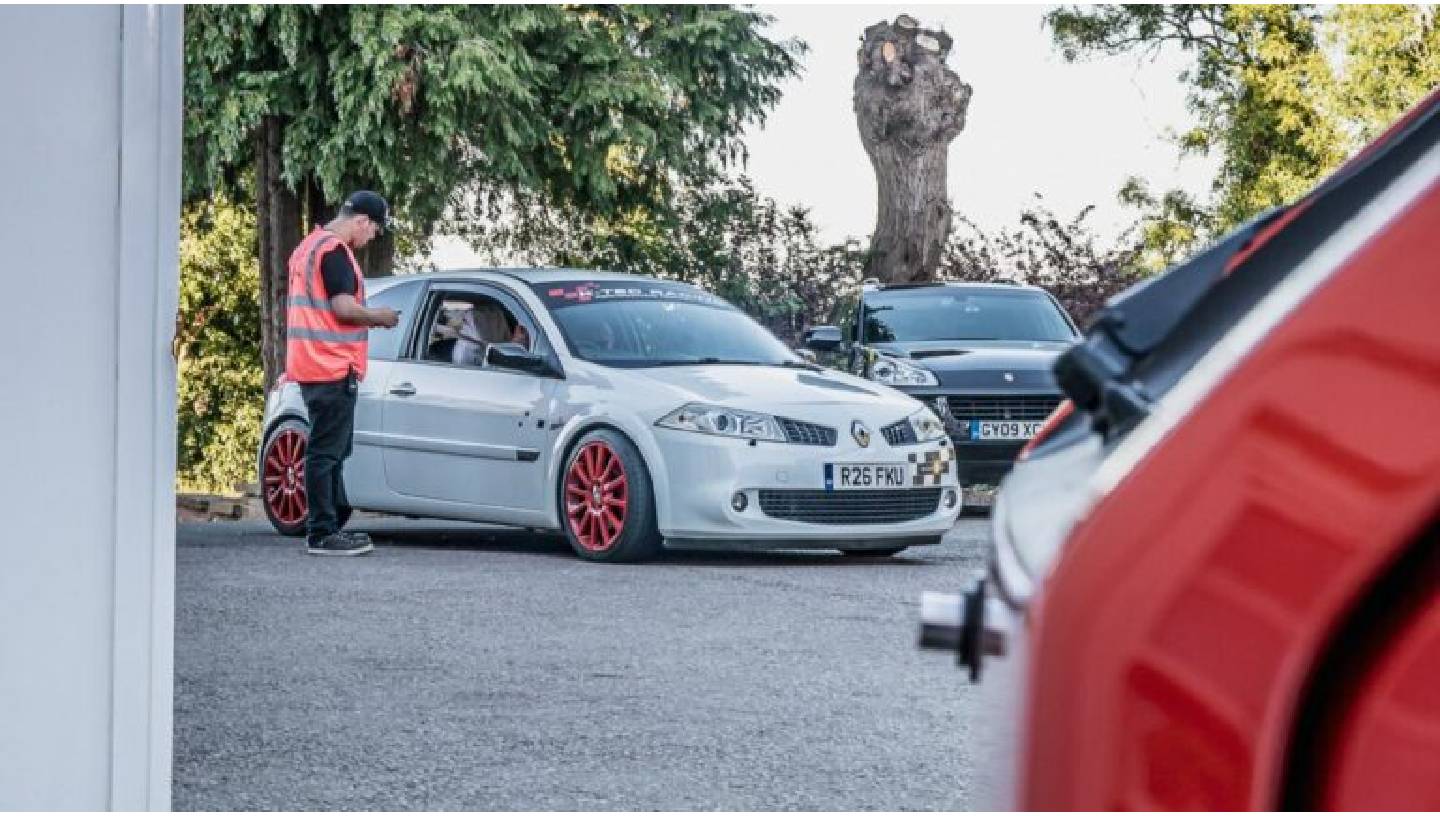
<point x="330" y="336"/>
<point x="307" y="302"/>
<point x="318" y="347"/>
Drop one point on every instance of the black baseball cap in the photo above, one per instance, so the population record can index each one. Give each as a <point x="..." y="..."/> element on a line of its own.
<point x="364" y="202"/>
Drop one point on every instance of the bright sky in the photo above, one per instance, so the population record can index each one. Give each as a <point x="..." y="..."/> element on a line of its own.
<point x="1072" y="132"/>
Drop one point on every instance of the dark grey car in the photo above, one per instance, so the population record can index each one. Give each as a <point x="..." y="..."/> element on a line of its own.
<point x="980" y="354"/>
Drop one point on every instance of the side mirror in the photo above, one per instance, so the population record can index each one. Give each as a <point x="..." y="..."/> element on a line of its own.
<point x="515" y="357"/>
<point x="807" y="355"/>
<point x="822" y="338"/>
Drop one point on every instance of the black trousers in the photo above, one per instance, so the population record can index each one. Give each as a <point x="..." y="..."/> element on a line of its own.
<point x="332" y="430"/>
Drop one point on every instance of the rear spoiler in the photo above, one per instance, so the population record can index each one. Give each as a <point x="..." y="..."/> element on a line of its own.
<point x="1094" y="373"/>
<point x="1099" y="374"/>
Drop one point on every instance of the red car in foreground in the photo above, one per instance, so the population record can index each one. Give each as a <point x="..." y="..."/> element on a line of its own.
<point x="1216" y="575"/>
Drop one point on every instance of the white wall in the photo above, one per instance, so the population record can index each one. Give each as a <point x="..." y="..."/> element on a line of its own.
<point x="89" y="211"/>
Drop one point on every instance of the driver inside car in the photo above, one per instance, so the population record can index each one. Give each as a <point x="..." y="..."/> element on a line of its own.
<point x="520" y="336"/>
<point x="483" y="324"/>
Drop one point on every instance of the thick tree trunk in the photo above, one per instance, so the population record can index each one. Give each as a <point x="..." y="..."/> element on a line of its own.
<point x="318" y="211"/>
<point x="377" y="259"/>
<point x="279" y="230"/>
<point x="909" y="106"/>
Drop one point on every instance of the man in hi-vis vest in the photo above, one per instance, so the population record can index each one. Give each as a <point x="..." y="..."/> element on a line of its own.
<point x="325" y="352"/>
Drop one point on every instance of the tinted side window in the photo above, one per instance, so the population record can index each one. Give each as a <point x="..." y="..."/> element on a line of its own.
<point x="385" y="343"/>
<point x="462" y="325"/>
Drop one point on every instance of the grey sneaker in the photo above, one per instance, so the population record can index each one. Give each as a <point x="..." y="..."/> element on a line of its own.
<point x="339" y="544"/>
<point x="358" y="538"/>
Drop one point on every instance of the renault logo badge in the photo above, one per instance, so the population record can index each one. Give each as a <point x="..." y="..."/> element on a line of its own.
<point x="861" y="433"/>
<point x="1009" y="377"/>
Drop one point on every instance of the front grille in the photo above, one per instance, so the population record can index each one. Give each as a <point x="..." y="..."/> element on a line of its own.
<point x="1003" y="406"/>
<point x="900" y="433"/>
<point x="806" y="433"/>
<point x="850" y="506"/>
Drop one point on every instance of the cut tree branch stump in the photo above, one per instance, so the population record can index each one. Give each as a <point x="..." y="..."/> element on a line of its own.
<point x="909" y="106"/>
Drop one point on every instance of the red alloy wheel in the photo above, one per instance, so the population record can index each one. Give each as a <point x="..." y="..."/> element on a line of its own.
<point x="597" y="497"/>
<point x="285" y="477"/>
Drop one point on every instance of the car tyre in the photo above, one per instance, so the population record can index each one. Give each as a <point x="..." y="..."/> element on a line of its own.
<point x="282" y="479"/>
<point x="607" y="501"/>
<point x="883" y="553"/>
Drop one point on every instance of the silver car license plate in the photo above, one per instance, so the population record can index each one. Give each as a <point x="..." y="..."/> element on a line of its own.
<point x="989" y="429"/>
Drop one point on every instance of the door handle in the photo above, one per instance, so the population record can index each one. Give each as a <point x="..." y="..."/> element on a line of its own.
<point x="404" y="389"/>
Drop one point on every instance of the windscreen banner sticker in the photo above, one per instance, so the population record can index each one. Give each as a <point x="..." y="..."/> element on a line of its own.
<point x="580" y="293"/>
<point x="561" y="294"/>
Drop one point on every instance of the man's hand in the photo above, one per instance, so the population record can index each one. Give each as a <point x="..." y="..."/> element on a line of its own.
<point x="349" y="311"/>
<point x="385" y="316"/>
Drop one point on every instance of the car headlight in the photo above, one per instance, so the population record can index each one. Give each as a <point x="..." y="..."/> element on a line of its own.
<point x="928" y="427"/>
<point x="721" y="421"/>
<point x="891" y="371"/>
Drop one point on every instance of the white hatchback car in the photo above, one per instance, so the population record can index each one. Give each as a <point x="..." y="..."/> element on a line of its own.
<point x="629" y="413"/>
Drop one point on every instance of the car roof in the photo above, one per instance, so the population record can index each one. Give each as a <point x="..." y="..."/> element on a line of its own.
<point x="994" y="286"/>
<point x="529" y="275"/>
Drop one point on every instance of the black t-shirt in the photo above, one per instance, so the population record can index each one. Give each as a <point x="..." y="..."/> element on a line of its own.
<point x="338" y="272"/>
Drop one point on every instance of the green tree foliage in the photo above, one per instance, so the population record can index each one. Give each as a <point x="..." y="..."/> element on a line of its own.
<point x="603" y="108"/>
<point x="1282" y="93"/>
<point x="1391" y="60"/>
<point x="217" y="348"/>
<point x="597" y="105"/>
<point x="1172" y="223"/>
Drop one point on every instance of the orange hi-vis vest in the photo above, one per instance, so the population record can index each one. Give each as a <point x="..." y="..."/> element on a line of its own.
<point x="318" y="347"/>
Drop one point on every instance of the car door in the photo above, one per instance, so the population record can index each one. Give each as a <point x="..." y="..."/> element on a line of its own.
<point x="364" y="470"/>
<point x="467" y="434"/>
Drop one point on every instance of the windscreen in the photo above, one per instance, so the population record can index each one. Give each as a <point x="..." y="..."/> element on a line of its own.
<point x="945" y="313"/>
<point x="632" y="324"/>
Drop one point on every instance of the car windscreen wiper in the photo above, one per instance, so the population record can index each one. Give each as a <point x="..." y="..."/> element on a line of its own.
<point x="723" y="361"/>
<point x="703" y="361"/>
<point x="800" y="364"/>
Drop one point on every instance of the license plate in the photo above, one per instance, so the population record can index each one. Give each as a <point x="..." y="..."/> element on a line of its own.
<point x="989" y="429"/>
<point x="865" y="477"/>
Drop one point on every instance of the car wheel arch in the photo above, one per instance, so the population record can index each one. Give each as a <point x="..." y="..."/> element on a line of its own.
<point x="273" y="424"/>
<point x="569" y="440"/>
<point x="276" y="420"/>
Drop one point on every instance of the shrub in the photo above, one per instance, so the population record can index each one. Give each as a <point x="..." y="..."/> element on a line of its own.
<point x="217" y="348"/>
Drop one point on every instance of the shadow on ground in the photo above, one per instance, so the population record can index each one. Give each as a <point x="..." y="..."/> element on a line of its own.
<point x="555" y="545"/>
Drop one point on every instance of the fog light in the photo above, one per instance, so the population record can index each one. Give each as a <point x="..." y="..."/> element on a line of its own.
<point x="950" y="499"/>
<point x="739" y="502"/>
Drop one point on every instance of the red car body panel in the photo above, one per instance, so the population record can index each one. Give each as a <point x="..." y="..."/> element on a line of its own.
<point x="1381" y="753"/>
<point x="1178" y="635"/>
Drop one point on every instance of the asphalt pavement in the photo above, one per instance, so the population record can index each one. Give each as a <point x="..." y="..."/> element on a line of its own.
<point x="465" y="667"/>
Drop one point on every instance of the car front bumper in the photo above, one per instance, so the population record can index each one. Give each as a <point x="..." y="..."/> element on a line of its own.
<point x="786" y="504"/>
